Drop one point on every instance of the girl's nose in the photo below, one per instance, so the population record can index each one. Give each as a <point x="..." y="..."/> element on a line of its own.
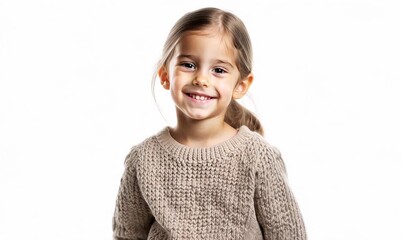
<point x="201" y="80"/>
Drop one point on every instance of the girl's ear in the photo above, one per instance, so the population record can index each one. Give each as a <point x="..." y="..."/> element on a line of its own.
<point x="242" y="87"/>
<point x="163" y="75"/>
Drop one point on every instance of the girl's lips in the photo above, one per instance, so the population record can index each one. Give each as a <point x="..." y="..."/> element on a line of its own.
<point x="199" y="96"/>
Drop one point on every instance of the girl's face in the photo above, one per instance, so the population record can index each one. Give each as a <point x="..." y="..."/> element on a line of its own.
<point x="202" y="75"/>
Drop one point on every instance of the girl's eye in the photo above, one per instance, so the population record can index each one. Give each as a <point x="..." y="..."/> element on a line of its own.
<point x="188" y="65"/>
<point x="219" y="70"/>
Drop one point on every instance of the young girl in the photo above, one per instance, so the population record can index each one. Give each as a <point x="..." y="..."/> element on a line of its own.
<point x="212" y="176"/>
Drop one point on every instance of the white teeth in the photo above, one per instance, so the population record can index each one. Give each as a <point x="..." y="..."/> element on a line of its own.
<point x="201" y="98"/>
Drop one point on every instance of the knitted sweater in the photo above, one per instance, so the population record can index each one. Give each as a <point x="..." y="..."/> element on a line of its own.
<point x="235" y="190"/>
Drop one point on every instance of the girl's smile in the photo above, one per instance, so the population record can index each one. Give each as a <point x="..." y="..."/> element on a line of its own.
<point x="199" y="97"/>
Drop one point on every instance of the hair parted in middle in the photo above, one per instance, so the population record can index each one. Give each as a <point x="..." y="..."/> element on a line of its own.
<point x="229" y="24"/>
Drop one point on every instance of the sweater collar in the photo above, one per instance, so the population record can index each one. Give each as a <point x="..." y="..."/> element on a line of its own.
<point x="182" y="152"/>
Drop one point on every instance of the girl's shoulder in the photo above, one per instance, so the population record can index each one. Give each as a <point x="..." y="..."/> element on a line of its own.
<point x="140" y="148"/>
<point x="263" y="151"/>
<point x="260" y="143"/>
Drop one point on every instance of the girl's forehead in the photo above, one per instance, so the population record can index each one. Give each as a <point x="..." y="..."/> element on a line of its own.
<point x="211" y="32"/>
<point x="222" y="38"/>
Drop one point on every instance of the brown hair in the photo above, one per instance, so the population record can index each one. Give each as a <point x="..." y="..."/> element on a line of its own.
<point x="236" y="114"/>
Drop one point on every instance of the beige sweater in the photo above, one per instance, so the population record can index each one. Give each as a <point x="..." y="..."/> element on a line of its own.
<point x="235" y="190"/>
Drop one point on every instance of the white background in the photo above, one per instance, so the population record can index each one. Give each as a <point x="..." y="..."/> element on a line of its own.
<point x="75" y="96"/>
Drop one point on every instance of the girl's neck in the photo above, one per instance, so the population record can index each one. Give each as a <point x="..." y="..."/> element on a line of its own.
<point x="203" y="133"/>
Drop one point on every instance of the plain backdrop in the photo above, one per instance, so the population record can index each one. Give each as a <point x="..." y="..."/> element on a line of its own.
<point x="75" y="96"/>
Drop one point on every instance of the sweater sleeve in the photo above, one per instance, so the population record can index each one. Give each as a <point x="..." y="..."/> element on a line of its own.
<point x="276" y="209"/>
<point x="132" y="216"/>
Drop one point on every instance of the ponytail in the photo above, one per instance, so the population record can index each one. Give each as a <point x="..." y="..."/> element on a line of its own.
<point x="237" y="115"/>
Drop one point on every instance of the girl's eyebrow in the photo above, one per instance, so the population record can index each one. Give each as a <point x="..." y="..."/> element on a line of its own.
<point x="187" y="56"/>
<point x="225" y="62"/>
<point x="196" y="58"/>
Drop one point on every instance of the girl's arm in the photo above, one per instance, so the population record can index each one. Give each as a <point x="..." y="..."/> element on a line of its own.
<point x="276" y="209"/>
<point x="132" y="217"/>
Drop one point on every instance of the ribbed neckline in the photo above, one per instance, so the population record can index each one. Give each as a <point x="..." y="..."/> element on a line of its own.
<point x="186" y="153"/>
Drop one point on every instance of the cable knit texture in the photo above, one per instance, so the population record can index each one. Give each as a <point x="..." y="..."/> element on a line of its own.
<point x="235" y="190"/>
